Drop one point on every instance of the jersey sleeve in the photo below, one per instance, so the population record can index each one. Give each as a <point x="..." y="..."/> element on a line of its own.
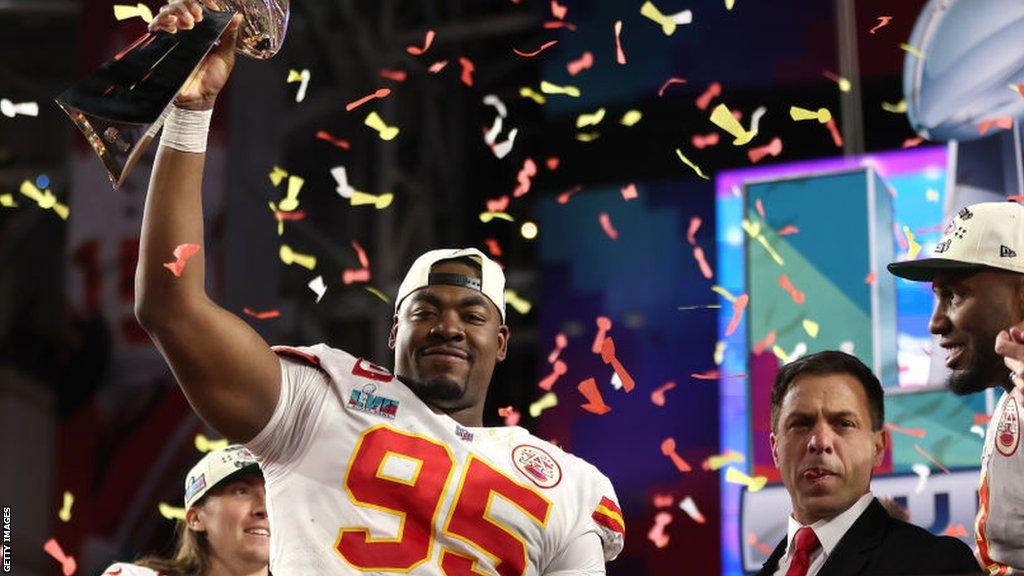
<point x="122" y="569"/>
<point x="598" y="518"/>
<point x="304" y="391"/>
<point x="606" y="516"/>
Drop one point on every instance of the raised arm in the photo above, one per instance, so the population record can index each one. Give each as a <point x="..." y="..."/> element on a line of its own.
<point x="229" y="374"/>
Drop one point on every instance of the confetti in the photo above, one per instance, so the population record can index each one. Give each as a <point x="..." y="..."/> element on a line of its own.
<point x="517" y="303"/>
<point x="629" y="192"/>
<point x="584" y="62"/>
<point x="65" y="511"/>
<point x="691" y="233"/>
<point x="687" y="161"/>
<point x="546" y="401"/>
<point x="549" y="88"/>
<point x="1006" y="122"/>
<point x="787" y="230"/>
<point x="604" y="324"/>
<point x="703" y="141"/>
<point x="719" y="461"/>
<point x="303" y="79"/>
<point x="719" y="355"/>
<point x="690" y="507"/>
<point x="911" y="142"/>
<point x="379" y="202"/>
<point x="761" y="546"/>
<point x="261" y="315"/>
<point x="486" y="217"/>
<point x="754" y="484"/>
<point x="608" y="357"/>
<point x="327" y="137"/>
<point x="124" y="12"/>
<point x="798" y="114"/>
<point x="558" y="369"/>
<point x="833" y="130"/>
<point x="915" y="432"/>
<point x="668" y="448"/>
<point x="396" y="75"/>
<point x="291" y="199"/>
<point x="630" y="118"/>
<point x="171" y="512"/>
<point x="373" y="120"/>
<point x="957" y="531"/>
<point x="595" y="402"/>
<point x="923" y="473"/>
<point x="44" y="198"/>
<point x="467" y="70"/>
<point x="773" y="148"/>
<point x="542" y="48"/>
<point x="870" y="278"/>
<point x="724" y="119"/>
<point x="382" y="296"/>
<point x="657" y="532"/>
<point x="765" y="342"/>
<point x="897" y="108"/>
<point x="606" y="225"/>
<point x="668" y="23"/>
<point x="588" y="136"/>
<point x="620" y="56"/>
<point x="922" y="452"/>
<point x="882" y="21"/>
<point x="343" y="188"/>
<point x="663" y="500"/>
<point x="427" y="41"/>
<point x="380" y="93"/>
<point x="844" y="83"/>
<point x="737" y="311"/>
<point x="559" y="24"/>
<point x="912" y="246"/>
<point x="318" y="287"/>
<point x="204" y="444"/>
<point x="277" y="174"/>
<point x="975" y="429"/>
<point x="787" y="285"/>
<point x="811" y="327"/>
<point x="181" y="254"/>
<point x="510" y="414"/>
<point x="498" y="204"/>
<point x="11" y="109"/>
<point x="501" y="149"/>
<point x="527" y="92"/>
<point x="911" y="50"/>
<point x="714" y="90"/>
<point x="705" y="268"/>
<point x="563" y="198"/>
<point x="561" y="341"/>
<point x="592" y="119"/>
<point x="528" y="171"/>
<point x="558" y="10"/>
<point x="552" y="163"/>
<point x="289" y="257"/>
<point x="729" y="4"/>
<point x="437" y="66"/>
<point x="67" y="563"/>
<point x="658" y="396"/>
<point x="7" y="201"/>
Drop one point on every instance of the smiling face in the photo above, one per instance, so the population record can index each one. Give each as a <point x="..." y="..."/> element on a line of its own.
<point x="447" y="340"/>
<point x="233" y="516"/>
<point x="823" y="444"/>
<point x="970" y="310"/>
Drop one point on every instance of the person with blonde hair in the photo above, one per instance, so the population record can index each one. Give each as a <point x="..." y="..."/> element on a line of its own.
<point x="225" y="532"/>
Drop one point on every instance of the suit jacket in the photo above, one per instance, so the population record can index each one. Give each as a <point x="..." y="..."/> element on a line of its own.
<point x="879" y="545"/>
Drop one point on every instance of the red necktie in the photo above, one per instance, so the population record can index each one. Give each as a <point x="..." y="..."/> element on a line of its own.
<point x="806" y="541"/>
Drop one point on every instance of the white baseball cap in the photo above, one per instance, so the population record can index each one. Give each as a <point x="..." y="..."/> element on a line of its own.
<point x="215" y="468"/>
<point x="491" y="282"/>
<point x="986" y="235"/>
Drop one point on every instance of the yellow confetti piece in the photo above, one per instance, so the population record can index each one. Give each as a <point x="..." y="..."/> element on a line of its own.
<point x="691" y="164"/>
<point x="897" y="108"/>
<point x="289" y="256"/>
<point x="719" y="461"/>
<point x="729" y="4"/>
<point x="549" y="88"/>
<point x="780" y="354"/>
<point x="911" y="50"/>
<point x="844" y="84"/>
<point x="631" y="117"/>
<point x="546" y="401"/>
<point x="931" y="195"/>
<point x="822" y="115"/>
<point x="277" y="174"/>
<point x="204" y="444"/>
<point x="124" y="12"/>
<point x="44" y="198"/>
<point x="588" y="136"/>
<point x="486" y="217"/>
<point x="719" y="356"/>
<point x="291" y="199"/>
<point x="65" y="511"/>
<point x="303" y="79"/>
<point x="723" y="293"/>
<point x="753" y="484"/>
<point x="171" y="512"/>
<point x="771" y="251"/>
<point x="373" y="120"/>
<point x="518" y="303"/>
<point x="723" y="118"/>
<point x="811" y="327"/>
<point x="527" y="92"/>
<point x="7" y="201"/>
<point x="592" y="119"/>
<point x="753" y="229"/>
<point x="668" y="26"/>
<point x="378" y="294"/>
<point x="914" y="247"/>
<point x="379" y="202"/>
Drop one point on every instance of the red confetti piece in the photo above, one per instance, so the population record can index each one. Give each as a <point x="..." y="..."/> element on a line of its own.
<point x="67" y="563"/>
<point x="437" y="66"/>
<point x="737" y="311"/>
<point x="498" y="204"/>
<point x="760" y="208"/>
<point x="1006" y="122"/>
<point x="704" y="100"/>
<point x="608" y="357"/>
<point x="552" y="163"/>
<point x="396" y="75"/>
<point x="326" y="136"/>
<point x="582" y="63"/>
<point x="467" y="70"/>
<point x="351" y="276"/>
<point x="882" y="21"/>
<point x="493" y="247"/>
<point x="915" y="432"/>
<point x="703" y="141"/>
<point x="1020" y="89"/>
<point x="261" y="315"/>
<point x="837" y="138"/>
<point x="663" y="500"/>
<point x="361" y="254"/>
<point x="787" y="230"/>
<point x="668" y="448"/>
<point x="669" y="82"/>
<point x="558" y="369"/>
<point x="606" y="224"/>
<point x="795" y="294"/>
<point x="182" y="253"/>
<point x="563" y="198"/>
<point x="658" y="396"/>
<point x="542" y="48"/>
<point x="528" y="171"/>
<point x="870" y="278"/>
<point x="561" y="341"/>
<point x="765" y="343"/>
<point x="295" y="215"/>
<point x="629" y="192"/>
<point x="595" y="402"/>
<point x="381" y="93"/>
<point x="620" y="56"/>
<point x="911" y="142"/>
<point x="695" y="222"/>
<point x="559" y="24"/>
<point x="982" y="419"/>
<point x="708" y="375"/>
<point x="957" y="531"/>
<point x="558" y="10"/>
<point x="761" y="546"/>
<point x="510" y="414"/>
<point x="604" y="324"/>
<point x="657" y="532"/>
<point x="416" y="50"/>
<point x="931" y="458"/>
<point x="773" y="148"/>
<point x="702" y="262"/>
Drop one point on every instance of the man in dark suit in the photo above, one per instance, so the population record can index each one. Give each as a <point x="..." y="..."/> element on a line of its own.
<point x="826" y="415"/>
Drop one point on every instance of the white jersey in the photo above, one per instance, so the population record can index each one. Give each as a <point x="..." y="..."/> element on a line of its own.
<point x="999" y="528"/>
<point x="122" y="569"/>
<point x="363" y="478"/>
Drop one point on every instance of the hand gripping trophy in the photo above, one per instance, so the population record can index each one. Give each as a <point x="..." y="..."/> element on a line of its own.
<point x="121" y="107"/>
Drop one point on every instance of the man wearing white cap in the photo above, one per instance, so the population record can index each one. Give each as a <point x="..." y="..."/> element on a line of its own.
<point x="365" y="471"/>
<point x="225" y="531"/>
<point x="977" y="275"/>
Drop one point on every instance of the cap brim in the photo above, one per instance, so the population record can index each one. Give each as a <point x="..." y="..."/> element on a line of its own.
<point x="924" y="270"/>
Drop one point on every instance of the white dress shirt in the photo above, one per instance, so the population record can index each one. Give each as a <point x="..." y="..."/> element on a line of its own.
<point x="829" y="533"/>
